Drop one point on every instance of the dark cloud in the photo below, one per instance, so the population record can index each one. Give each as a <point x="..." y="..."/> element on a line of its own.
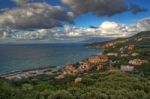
<point x="101" y="7"/>
<point x="35" y="16"/>
<point x="136" y="8"/>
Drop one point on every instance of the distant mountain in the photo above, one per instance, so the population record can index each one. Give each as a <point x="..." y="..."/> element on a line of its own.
<point x="142" y="34"/>
<point x="96" y="39"/>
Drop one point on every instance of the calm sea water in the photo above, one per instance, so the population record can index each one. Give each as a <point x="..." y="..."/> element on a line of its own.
<point x="23" y="57"/>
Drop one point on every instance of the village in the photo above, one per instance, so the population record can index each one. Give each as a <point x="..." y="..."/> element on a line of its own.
<point x="110" y="60"/>
<point x="106" y="61"/>
<point x="122" y="69"/>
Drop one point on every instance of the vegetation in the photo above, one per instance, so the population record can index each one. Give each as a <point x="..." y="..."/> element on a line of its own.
<point x="95" y="85"/>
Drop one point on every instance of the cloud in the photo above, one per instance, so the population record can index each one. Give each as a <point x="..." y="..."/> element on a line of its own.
<point x="113" y="29"/>
<point x="97" y="7"/>
<point x="21" y="2"/>
<point x="70" y="33"/>
<point x="35" y="16"/>
<point x="108" y="29"/>
<point x="101" y="7"/>
<point x="39" y="34"/>
<point x="144" y="24"/>
<point x="136" y="8"/>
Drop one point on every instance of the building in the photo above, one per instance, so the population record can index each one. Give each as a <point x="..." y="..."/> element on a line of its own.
<point x="112" y="54"/>
<point x="100" y="67"/>
<point x="127" y="68"/>
<point x="84" y="66"/>
<point x="70" y="70"/>
<point x="134" y="54"/>
<point x="124" y="55"/>
<point x="131" y="47"/>
<point x="97" y="59"/>
<point x="137" y="62"/>
<point x="111" y="44"/>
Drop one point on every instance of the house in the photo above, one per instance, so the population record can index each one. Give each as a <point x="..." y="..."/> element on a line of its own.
<point x="137" y="62"/>
<point x="134" y="54"/>
<point x="97" y="59"/>
<point x="111" y="44"/>
<point x="124" y="55"/>
<point x="84" y="66"/>
<point x="121" y="49"/>
<point x="100" y="67"/>
<point x="131" y="47"/>
<point x="127" y="68"/>
<point x="139" y="39"/>
<point x="112" y="54"/>
<point x="70" y="70"/>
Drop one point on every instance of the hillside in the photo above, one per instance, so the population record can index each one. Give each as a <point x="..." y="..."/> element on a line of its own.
<point x="145" y="35"/>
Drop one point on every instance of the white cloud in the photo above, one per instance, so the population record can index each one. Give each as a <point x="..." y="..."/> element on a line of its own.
<point x="109" y="25"/>
<point x="106" y="29"/>
<point x="144" y="24"/>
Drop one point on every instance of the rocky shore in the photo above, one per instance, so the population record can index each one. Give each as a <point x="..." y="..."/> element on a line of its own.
<point x="29" y="73"/>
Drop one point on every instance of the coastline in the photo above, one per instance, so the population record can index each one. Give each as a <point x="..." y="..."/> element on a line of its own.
<point x="36" y="71"/>
<point x="41" y="70"/>
<point x="13" y="72"/>
<point x="30" y="73"/>
<point x="116" y="55"/>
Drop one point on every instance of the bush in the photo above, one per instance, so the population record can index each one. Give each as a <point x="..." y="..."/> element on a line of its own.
<point x="60" y="95"/>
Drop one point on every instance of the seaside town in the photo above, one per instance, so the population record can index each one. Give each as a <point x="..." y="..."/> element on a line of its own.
<point x="117" y="55"/>
<point x="121" y="71"/>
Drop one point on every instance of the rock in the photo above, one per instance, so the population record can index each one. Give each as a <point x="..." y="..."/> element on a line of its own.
<point x="78" y="80"/>
<point x="60" y="77"/>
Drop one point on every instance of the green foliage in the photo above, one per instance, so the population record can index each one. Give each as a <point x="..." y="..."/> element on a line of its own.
<point x="62" y="94"/>
<point x="95" y="85"/>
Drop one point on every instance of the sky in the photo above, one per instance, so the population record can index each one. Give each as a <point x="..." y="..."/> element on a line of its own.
<point x="50" y="20"/>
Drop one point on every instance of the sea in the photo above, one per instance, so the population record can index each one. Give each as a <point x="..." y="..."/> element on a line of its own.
<point x="18" y="57"/>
